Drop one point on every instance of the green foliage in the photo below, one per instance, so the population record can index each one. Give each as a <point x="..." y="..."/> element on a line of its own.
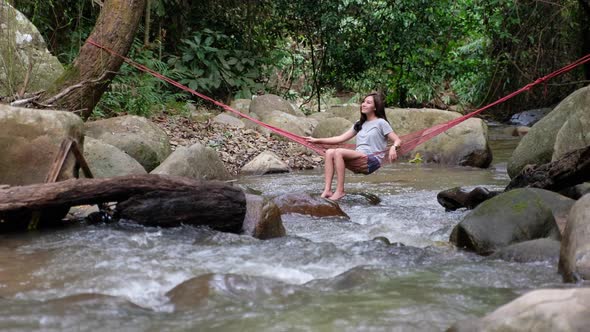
<point x="138" y="93"/>
<point x="211" y="63"/>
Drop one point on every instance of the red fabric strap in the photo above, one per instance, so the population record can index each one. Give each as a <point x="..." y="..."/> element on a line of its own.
<point x="409" y="141"/>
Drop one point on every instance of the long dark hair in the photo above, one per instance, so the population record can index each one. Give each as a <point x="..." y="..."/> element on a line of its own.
<point x="379" y="110"/>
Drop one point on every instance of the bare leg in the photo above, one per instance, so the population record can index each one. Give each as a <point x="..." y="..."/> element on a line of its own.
<point x="328" y="173"/>
<point x="340" y="156"/>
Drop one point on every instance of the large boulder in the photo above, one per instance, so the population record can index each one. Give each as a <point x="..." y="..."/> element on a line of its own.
<point x="465" y="144"/>
<point x="350" y="112"/>
<point x="575" y="132"/>
<point x="515" y="216"/>
<point x="30" y="140"/>
<point x="23" y="49"/>
<point x="241" y="105"/>
<point x="196" y="161"/>
<point x="228" y="120"/>
<point x="136" y="136"/>
<point x="537" y="147"/>
<point x="265" y="163"/>
<point x="265" y="104"/>
<point x="574" y="257"/>
<point x="331" y="127"/>
<point x="301" y="126"/>
<point x="543" y="310"/>
<point x="309" y="205"/>
<point x="106" y="160"/>
<point x="263" y="218"/>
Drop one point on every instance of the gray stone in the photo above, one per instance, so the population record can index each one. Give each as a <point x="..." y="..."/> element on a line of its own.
<point x="263" y="218"/>
<point x="106" y="160"/>
<point x="574" y="257"/>
<point x="23" y="48"/>
<point x="529" y="251"/>
<point x="265" y="163"/>
<point x="545" y="310"/>
<point x="515" y="216"/>
<point x="331" y="127"/>
<point x="241" y="105"/>
<point x="530" y="117"/>
<point x="265" y="104"/>
<point x="537" y="147"/>
<point x="229" y="120"/>
<point x="575" y="132"/>
<point x="196" y="161"/>
<point x="134" y="135"/>
<point x="301" y="126"/>
<point x="30" y="140"/>
<point x="465" y="144"/>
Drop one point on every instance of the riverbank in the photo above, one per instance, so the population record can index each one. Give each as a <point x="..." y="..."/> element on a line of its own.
<point x="235" y="146"/>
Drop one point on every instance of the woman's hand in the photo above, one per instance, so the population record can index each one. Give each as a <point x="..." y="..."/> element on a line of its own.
<point x="312" y="139"/>
<point x="392" y="153"/>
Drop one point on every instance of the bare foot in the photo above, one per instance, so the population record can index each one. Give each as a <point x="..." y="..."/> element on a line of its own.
<point x="337" y="195"/>
<point x="327" y="193"/>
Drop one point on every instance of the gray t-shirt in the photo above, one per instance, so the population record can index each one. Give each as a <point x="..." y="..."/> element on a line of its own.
<point x="372" y="137"/>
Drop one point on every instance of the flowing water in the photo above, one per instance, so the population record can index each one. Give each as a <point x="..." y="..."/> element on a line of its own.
<point x="326" y="275"/>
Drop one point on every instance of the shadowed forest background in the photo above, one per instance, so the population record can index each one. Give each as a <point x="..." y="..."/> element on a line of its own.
<point x="459" y="54"/>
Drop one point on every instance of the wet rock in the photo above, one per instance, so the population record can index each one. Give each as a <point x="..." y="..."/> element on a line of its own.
<point x="263" y="218"/>
<point x="331" y="127"/>
<point x="529" y="251"/>
<point x="197" y="291"/>
<point x="543" y="310"/>
<point x="306" y="204"/>
<point x="265" y="163"/>
<point x="266" y="104"/>
<point x="574" y="257"/>
<point x="530" y="117"/>
<point x="197" y="161"/>
<point x="136" y="136"/>
<point x="577" y="191"/>
<point x="516" y="216"/>
<point x="106" y="160"/>
<point x="537" y="147"/>
<point x="465" y="144"/>
<point x="22" y="48"/>
<point x="456" y="198"/>
<point x="361" y="198"/>
<point x="227" y="119"/>
<point x="30" y="140"/>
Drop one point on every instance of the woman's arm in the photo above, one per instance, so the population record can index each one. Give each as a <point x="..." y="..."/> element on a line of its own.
<point x="335" y="139"/>
<point x="396" y="143"/>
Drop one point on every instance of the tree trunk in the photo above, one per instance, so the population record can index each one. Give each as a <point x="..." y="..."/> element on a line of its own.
<point x="147" y="199"/>
<point x="572" y="169"/>
<point x="81" y="86"/>
<point x="585" y="32"/>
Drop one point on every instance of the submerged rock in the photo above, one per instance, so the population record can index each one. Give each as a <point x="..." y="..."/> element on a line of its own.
<point x="136" y="136"/>
<point x="456" y="198"/>
<point x="543" y="310"/>
<point x="306" y="204"/>
<point x="529" y="251"/>
<point x="512" y="217"/>
<point x="574" y="257"/>
<point x="263" y="218"/>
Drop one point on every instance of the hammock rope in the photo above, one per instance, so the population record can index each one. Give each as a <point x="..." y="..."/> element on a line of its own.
<point x="409" y="141"/>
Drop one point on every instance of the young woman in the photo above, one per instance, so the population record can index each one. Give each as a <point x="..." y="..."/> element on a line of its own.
<point x="372" y="132"/>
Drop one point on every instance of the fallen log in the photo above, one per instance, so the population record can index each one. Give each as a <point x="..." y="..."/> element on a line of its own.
<point x="572" y="169"/>
<point x="168" y="199"/>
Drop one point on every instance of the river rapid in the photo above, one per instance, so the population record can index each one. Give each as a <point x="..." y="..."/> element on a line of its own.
<point x="326" y="275"/>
